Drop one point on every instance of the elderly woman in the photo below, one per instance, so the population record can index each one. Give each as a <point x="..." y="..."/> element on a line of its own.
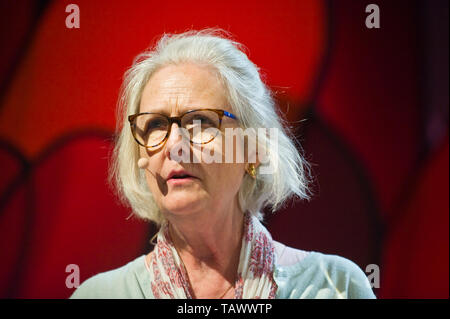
<point x="180" y="101"/>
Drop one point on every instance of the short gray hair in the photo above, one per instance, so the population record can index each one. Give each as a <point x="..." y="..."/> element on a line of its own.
<point x="250" y="99"/>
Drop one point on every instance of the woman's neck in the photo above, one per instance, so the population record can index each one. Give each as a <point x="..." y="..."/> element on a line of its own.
<point x="209" y="241"/>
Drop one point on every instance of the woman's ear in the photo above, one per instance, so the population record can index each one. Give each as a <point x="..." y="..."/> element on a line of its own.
<point x="251" y="150"/>
<point x="252" y="163"/>
<point x="256" y="162"/>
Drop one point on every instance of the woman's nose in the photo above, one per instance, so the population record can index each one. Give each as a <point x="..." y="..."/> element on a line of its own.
<point x="177" y="144"/>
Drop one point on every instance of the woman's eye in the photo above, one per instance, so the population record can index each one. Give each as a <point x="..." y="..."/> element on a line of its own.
<point x="155" y="124"/>
<point x="202" y="120"/>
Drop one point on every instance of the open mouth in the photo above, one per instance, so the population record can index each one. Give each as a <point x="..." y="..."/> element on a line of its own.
<point x="181" y="179"/>
<point x="180" y="176"/>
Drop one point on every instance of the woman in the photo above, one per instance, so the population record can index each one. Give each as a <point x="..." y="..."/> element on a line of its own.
<point x="180" y="103"/>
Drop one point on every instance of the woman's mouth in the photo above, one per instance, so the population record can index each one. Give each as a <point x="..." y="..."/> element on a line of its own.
<point x="179" y="178"/>
<point x="176" y="181"/>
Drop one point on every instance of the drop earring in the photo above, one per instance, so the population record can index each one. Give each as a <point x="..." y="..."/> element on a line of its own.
<point x="251" y="170"/>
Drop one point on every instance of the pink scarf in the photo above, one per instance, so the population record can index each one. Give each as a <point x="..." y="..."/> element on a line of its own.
<point x="169" y="278"/>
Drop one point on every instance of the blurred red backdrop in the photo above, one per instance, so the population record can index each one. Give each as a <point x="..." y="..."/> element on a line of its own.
<point x="376" y="131"/>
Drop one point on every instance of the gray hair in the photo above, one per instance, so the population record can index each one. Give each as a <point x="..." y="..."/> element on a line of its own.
<point x="250" y="99"/>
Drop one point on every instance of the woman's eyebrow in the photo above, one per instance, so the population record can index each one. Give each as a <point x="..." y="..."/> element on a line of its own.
<point x="168" y="110"/>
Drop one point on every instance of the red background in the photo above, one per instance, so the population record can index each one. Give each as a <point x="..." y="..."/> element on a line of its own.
<point x="374" y="101"/>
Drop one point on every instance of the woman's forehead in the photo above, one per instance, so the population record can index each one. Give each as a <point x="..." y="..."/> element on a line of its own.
<point x="179" y="88"/>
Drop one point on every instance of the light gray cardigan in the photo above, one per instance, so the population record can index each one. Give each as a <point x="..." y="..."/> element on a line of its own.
<point x="298" y="274"/>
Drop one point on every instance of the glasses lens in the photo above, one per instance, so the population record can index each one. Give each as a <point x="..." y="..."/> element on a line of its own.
<point x="151" y="129"/>
<point x="203" y="126"/>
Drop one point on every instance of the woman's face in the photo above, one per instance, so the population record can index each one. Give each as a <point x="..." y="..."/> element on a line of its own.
<point x="172" y="91"/>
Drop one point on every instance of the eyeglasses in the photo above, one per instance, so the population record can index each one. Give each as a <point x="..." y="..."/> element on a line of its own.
<point x="152" y="129"/>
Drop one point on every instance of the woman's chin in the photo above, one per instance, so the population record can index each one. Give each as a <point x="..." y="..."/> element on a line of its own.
<point x="183" y="204"/>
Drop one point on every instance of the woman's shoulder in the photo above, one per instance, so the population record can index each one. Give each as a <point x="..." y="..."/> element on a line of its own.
<point x="123" y="282"/>
<point x="310" y="274"/>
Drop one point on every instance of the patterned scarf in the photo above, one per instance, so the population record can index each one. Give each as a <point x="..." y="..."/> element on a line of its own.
<point x="169" y="278"/>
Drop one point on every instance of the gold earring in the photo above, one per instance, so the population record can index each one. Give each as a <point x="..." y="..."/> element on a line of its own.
<point x="251" y="170"/>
